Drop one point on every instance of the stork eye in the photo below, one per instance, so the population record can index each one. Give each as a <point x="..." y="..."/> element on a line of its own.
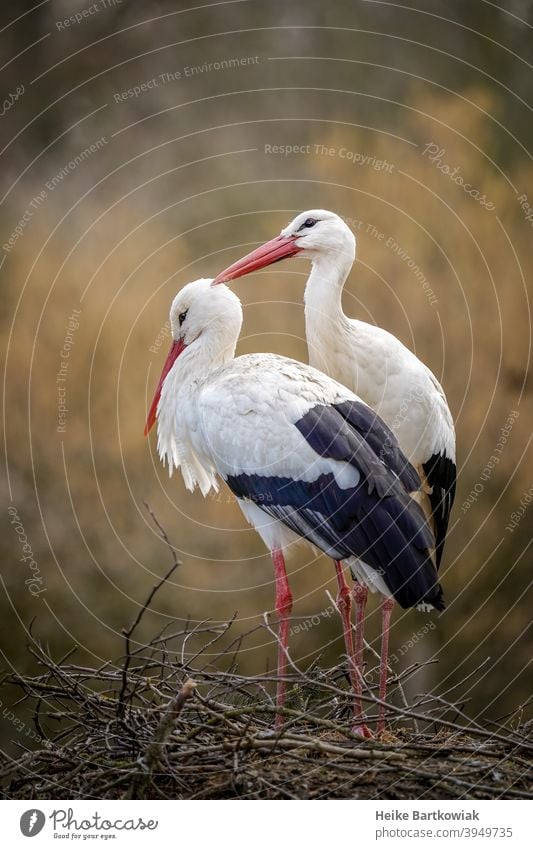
<point x="309" y="222"/>
<point x="182" y="316"/>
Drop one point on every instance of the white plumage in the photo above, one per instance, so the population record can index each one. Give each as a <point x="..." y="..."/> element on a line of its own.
<point x="375" y="365"/>
<point x="367" y="359"/>
<point x="305" y="457"/>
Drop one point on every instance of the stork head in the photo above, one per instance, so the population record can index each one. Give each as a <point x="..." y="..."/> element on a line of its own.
<point x="202" y="309"/>
<point x="314" y="234"/>
<point x="205" y="320"/>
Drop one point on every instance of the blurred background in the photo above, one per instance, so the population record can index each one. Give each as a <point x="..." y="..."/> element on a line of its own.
<point x="146" y="144"/>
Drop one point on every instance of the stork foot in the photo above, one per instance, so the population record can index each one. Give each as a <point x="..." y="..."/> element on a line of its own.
<point x="363" y="731"/>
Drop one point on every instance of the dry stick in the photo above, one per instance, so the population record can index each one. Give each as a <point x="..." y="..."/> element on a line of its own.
<point x="221" y="717"/>
<point x="285" y="649"/>
<point x="190" y="633"/>
<point x="370" y="697"/>
<point x="233" y="681"/>
<point x="238" y="640"/>
<point x="370" y="648"/>
<point x="103" y="753"/>
<point x="396" y="679"/>
<point x="466" y="678"/>
<point x="121" y="706"/>
<point x="304" y="677"/>
<point x="249" y="710"/>
<point x="294" y="742"/>
<point x="515" y="711"/>
<point x="63" y="678"/>
<point x="472" y="728"/>
<point x="223" y="629"/>
<point x="152" y="757"/>
<point x="160" y="639"/>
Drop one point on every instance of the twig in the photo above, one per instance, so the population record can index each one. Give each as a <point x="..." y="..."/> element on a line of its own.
<point x="121" y="705"/>
<point x="151" y="759"/>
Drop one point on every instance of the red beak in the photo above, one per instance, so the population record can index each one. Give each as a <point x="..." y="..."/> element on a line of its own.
<point x="273" y="251"/>
<point x="175" y="350"/>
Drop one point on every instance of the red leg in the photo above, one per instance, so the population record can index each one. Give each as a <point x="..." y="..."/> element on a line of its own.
<point x="344" y="603"/>
<point x="386" y="611"/>
<point x="283" y="609"/>
<point x="360" y="594"/>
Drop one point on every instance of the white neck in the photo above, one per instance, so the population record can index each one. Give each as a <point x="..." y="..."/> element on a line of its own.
<point x="201" y="358"/>
<point x="324" y="317"/>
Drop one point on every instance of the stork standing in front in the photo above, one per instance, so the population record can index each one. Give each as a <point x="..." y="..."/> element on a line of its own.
<point x="374" y="364"/>
<point x="306" y="458"/>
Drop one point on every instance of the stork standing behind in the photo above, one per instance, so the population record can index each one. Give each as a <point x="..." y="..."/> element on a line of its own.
<point x="306" y="458"/>
<point x="374" y="364"/>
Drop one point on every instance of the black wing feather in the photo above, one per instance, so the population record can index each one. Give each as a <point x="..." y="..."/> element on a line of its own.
<point x="375" y="521"/>
<point x="440" y="473"/>
<point x="382" y="441"/>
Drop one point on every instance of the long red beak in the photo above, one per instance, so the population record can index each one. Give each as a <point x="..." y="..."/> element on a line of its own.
<point x="175" y="350"/>
<point x="273" y="251"/>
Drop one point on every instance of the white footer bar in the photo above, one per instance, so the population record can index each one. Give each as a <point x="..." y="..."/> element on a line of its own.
<point x="229" y="824"/>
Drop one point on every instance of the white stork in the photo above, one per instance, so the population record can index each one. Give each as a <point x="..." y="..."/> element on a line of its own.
<point x="306" y="458"/>
<point x="374" y="364"/>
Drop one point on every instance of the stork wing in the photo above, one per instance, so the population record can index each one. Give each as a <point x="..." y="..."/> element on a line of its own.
<point x="375" y="433"/>
<point x="374" y="520"/>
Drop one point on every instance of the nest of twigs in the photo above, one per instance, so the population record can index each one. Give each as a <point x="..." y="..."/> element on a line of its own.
<point x="162" y="724"/>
